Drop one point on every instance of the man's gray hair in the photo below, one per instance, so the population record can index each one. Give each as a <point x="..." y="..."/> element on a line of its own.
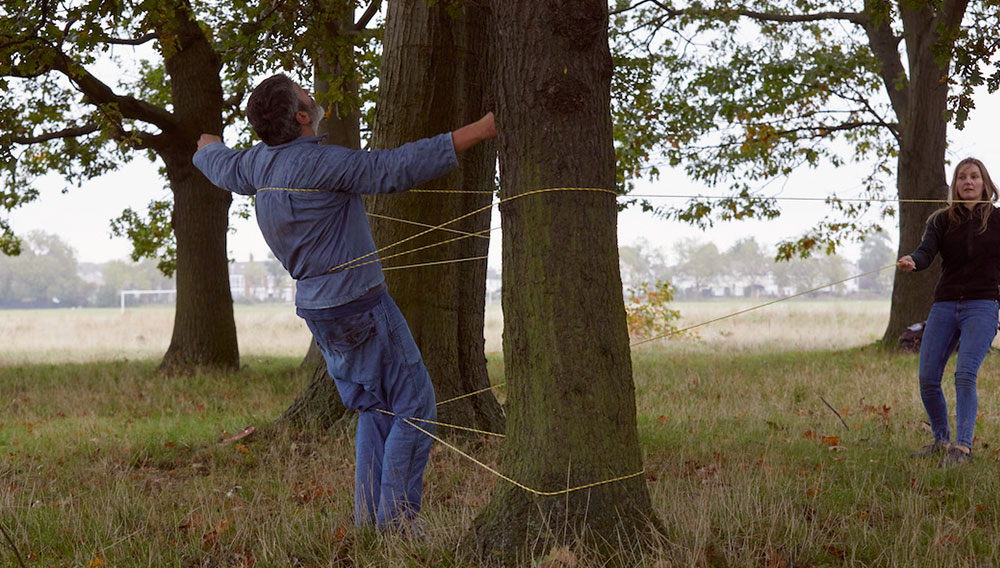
<point x="271" y="110"/>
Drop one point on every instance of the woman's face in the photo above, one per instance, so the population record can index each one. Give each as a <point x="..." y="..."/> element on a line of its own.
<point x="969" y="184"/>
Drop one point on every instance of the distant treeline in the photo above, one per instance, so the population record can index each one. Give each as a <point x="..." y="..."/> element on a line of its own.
<point x="698" y="269"/>
<point x="47" y="275"/>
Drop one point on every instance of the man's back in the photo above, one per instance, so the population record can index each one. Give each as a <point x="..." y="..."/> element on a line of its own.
<point x="309" y="207"/>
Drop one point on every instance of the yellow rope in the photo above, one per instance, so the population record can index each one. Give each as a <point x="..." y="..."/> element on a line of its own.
<point x="479" y="233"/>
<point x="466" y="395"/>
<point x="513" y="481"/>
<point x="434" y="263"/>
<point x="765" y="304"/>
<point x="455" y="426"/>
<point x="419" y="224"/>
<point x="418" y="249"/>
<point x="467" y="215"/>
<point x="675" y="195"/>
<point x="480" y="191"/>
<point x="829" y="199"/>
<point x="690" y="327"/>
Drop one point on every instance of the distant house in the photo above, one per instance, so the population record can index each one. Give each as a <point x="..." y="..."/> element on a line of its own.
<point x="260" y="282"/>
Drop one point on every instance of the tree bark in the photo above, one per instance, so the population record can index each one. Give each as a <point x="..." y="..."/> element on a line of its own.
<point x="434" y="78"/>
<point x="920" y="166"/>
<point x="571" y="398"/>
<point x="320" y="405"/>
<point x="204" y="331"/>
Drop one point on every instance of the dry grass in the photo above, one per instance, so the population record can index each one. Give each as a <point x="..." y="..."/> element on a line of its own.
<point x="59" y="336"/>
<point x="795" y="325"/>
<point x="73" y="336"/>
<point x="107" y="464"/>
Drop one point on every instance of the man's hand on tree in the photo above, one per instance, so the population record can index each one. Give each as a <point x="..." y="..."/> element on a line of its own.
<point x="474" y="133"/>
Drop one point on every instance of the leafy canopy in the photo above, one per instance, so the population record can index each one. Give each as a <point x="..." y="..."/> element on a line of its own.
<point x="83" y="86"/>
<point x="741" y="93"/>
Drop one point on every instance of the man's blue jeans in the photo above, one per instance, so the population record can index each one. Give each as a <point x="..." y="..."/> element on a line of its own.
<point x="970" y="325"/>
<point x="376" y="365"/>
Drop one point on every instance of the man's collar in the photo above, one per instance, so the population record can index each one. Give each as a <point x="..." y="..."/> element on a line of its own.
<point x="299" y="140"/>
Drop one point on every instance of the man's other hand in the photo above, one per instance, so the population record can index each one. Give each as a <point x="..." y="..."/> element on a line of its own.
<point x="474" y="133"/>
<point x="207" y="139"/>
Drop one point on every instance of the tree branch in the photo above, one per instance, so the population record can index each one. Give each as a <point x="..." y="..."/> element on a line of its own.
<point x="635" y="6"/>
<point x="885" y="45"/>
<point x="67" y="133"/>
<point x="98" y="93"/>
<point x="952" y="13"/>
<point x="853" y="17"/>
<point x="822" y="130"/>
<point x="137" y="41"/>
<point x="365" y="18"/>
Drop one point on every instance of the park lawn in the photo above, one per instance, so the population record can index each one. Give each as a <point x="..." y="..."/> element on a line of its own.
<point x="109" y="464"/>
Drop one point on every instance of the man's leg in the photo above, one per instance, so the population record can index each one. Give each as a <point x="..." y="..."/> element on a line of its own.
<point x="410" y="395"/>
<point x="354" y="356"/>
<point x="407" y="450"/>
<point x="369" y="451"/>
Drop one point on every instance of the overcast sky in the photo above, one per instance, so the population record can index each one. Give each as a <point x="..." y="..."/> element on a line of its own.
<point x="82" y="215"/>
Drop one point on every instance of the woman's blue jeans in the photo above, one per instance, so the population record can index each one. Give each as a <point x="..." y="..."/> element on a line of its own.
<point x="970" y="325"/>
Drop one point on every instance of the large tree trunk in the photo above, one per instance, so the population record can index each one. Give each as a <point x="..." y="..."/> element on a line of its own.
<point x="320" y="406"/>
<point x="921" y="171"/>
<point x="571" y="398"/>
<point x="433" y="79"/>
<point x="204" y="329"/>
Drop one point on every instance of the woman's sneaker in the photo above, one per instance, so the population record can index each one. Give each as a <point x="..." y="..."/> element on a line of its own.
<point x="931" y="450"/>
<point x="955" y="455"/>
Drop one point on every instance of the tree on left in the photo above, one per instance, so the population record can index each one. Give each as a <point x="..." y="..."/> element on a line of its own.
<point x="70" y="104"/>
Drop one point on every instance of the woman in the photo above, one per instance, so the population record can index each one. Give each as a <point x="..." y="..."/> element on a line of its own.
<point x="967" y="236"/>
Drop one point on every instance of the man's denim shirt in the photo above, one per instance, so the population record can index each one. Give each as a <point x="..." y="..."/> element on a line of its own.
<point x="309" y="205"/>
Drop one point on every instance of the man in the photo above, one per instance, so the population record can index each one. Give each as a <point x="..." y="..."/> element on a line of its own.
<point x="310" y="212"/>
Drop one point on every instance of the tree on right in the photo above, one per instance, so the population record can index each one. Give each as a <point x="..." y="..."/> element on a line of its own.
<point x="741" y="93"/>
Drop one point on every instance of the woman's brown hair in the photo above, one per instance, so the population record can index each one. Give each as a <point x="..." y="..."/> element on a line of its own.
<point x="984" y="207"/>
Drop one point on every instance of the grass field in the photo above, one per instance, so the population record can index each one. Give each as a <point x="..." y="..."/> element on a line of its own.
<point x="103" y="463"/>
<point x="90" y="335"/>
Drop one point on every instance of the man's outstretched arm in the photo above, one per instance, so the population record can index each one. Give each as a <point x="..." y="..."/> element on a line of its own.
<point x="221" y="165"/>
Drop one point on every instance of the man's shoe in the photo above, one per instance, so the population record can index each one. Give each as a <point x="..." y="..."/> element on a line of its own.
<point x="931" y="450"/>
<point x="956" y="455"/>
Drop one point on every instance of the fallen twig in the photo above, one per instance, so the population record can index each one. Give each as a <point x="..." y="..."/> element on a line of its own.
<point x="846" y="427"/>
<point x="13" y="547"/>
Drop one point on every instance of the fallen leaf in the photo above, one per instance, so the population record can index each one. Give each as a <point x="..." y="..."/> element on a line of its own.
<point x="561" y="557"/>
<point x="834" y="551"/>
<point x="709" y="473"/>
<point x="830" y="440"/>
<point x="246" y="432"/>
<point x="210" y="540"/>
